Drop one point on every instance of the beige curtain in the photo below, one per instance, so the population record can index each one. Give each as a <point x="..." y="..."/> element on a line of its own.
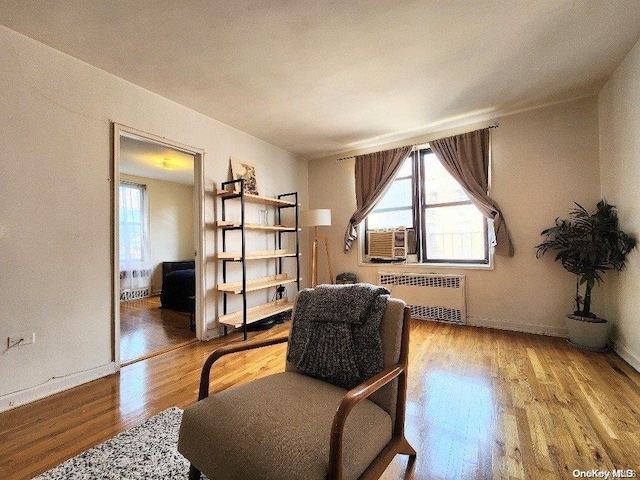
<point x="374" y="173"/>
<point x="466" y="157"/>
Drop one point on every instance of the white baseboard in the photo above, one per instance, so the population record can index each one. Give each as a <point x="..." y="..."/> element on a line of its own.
<point x="214" y="332"/>
<point x="517" y="327"/>
<point x="55" y="385"/>
<point x="628" y="356"/>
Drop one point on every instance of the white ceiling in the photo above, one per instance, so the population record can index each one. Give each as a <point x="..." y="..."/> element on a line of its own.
<point x="144" y="158"/>
<point x="322" y="77"/>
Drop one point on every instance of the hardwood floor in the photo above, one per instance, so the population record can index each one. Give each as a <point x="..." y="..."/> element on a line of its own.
<point x="482" y="404"/>
<point x="146" y="329"/>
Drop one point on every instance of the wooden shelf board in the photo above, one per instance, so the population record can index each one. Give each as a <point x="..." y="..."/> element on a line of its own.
<point x="256" y="199"/>
<point x="255" y="226"/>
<point x="255" y="314"/>
<point x="256" y="283"/>
<point x="257" y="255"/>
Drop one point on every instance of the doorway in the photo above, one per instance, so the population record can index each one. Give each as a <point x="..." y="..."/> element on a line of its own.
<point x="157" y="237"/>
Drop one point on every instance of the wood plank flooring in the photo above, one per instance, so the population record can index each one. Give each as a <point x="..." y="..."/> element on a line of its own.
<point x="482" y="404"/>
<point x="146" y="329"/>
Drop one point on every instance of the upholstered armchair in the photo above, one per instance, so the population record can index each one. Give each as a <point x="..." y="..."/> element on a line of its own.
<point x="293" y="426"/>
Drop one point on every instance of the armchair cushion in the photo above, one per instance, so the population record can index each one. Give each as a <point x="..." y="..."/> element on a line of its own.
<point x="285" y="442"/>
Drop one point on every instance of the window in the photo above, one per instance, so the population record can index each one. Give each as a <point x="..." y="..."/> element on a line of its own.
<point x="453" y="229"/>
<point x="395" y="208"/>
<point x="133" y="226"/>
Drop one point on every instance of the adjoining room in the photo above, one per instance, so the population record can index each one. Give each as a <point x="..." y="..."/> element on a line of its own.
<point x="157" y="232"/>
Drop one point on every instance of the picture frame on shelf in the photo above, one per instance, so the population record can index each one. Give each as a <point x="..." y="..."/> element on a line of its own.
<point x="244" y="170"/>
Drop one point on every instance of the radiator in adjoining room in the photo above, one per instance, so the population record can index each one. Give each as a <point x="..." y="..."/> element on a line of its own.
<point x="430" y="296"/>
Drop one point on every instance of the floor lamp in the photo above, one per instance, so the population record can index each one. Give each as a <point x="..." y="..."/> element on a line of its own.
<point x="317" y="218"/>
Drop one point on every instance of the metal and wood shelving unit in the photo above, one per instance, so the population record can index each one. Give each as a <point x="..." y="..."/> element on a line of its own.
<point x="248" y="315"/>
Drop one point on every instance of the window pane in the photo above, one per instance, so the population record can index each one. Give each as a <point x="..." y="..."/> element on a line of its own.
<point x="130" y="242"/>
<point x="392" y="219"/>
<point x="455" y="233"/>
<point x="439" y="186"/>
<point x="132" y="218"/>
<point x="398" y="195"/>
<point x="406" y="170"/>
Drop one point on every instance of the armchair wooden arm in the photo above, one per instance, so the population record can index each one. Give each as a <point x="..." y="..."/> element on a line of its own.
<point x="350" y="400"/>
<point x="205" y="375"/>
<point x="398" y="443"/>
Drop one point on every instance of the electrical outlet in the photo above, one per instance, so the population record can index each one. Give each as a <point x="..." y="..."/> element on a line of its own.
<point x="23" y="338"/>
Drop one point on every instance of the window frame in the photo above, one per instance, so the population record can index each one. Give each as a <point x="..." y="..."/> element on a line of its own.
<point x="144" y="219"/>
<point x="418" y="156"/>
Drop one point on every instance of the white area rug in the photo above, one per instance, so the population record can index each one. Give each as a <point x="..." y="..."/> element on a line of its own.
<point x="147" y="451"/>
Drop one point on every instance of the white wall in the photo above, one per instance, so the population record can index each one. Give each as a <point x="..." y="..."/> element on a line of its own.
<point x="55" y="220"/>
<point x="619" y="103"/>
<point x="171" y="227"/>
<point x="543" y="161"/>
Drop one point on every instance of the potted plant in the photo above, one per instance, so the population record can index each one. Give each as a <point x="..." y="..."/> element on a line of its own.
<point x="587" y="245"/>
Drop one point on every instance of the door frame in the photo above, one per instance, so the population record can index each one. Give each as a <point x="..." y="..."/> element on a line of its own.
<point x="199" y="228"/>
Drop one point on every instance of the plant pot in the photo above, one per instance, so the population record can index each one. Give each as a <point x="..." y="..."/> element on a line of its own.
<point x="590" y="334"/>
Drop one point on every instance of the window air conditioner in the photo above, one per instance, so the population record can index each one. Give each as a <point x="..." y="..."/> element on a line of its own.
<point x="387" y="244"/>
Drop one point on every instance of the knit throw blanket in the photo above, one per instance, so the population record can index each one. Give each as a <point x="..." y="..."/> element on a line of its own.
<point x="335" y="335"/>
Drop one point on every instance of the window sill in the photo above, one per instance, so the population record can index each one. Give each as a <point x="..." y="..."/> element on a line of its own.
<point x="429" y="267"/>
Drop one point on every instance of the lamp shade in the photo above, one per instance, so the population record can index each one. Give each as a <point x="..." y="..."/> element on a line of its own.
<point x="315" y="218"/>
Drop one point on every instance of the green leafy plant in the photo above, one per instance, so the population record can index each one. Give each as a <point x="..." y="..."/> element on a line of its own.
<point x="587" y="245"/>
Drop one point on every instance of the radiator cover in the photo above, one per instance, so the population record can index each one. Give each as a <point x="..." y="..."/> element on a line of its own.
<point x="430" y="296"/>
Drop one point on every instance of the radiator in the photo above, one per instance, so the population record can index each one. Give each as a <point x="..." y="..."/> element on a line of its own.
<point x="430" y="296"/>
<point x="134" y="294"/>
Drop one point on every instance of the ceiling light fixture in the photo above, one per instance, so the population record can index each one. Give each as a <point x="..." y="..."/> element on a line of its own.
<point x="169" y="164"/>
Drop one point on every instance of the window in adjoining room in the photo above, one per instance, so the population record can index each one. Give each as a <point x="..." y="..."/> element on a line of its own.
<point x="135" y="265"/>
<point x="450" y="228"/>
<point x="133" y="222"/>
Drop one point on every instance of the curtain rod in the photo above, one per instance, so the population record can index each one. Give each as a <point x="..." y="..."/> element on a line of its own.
<point x="492" y="126"/>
